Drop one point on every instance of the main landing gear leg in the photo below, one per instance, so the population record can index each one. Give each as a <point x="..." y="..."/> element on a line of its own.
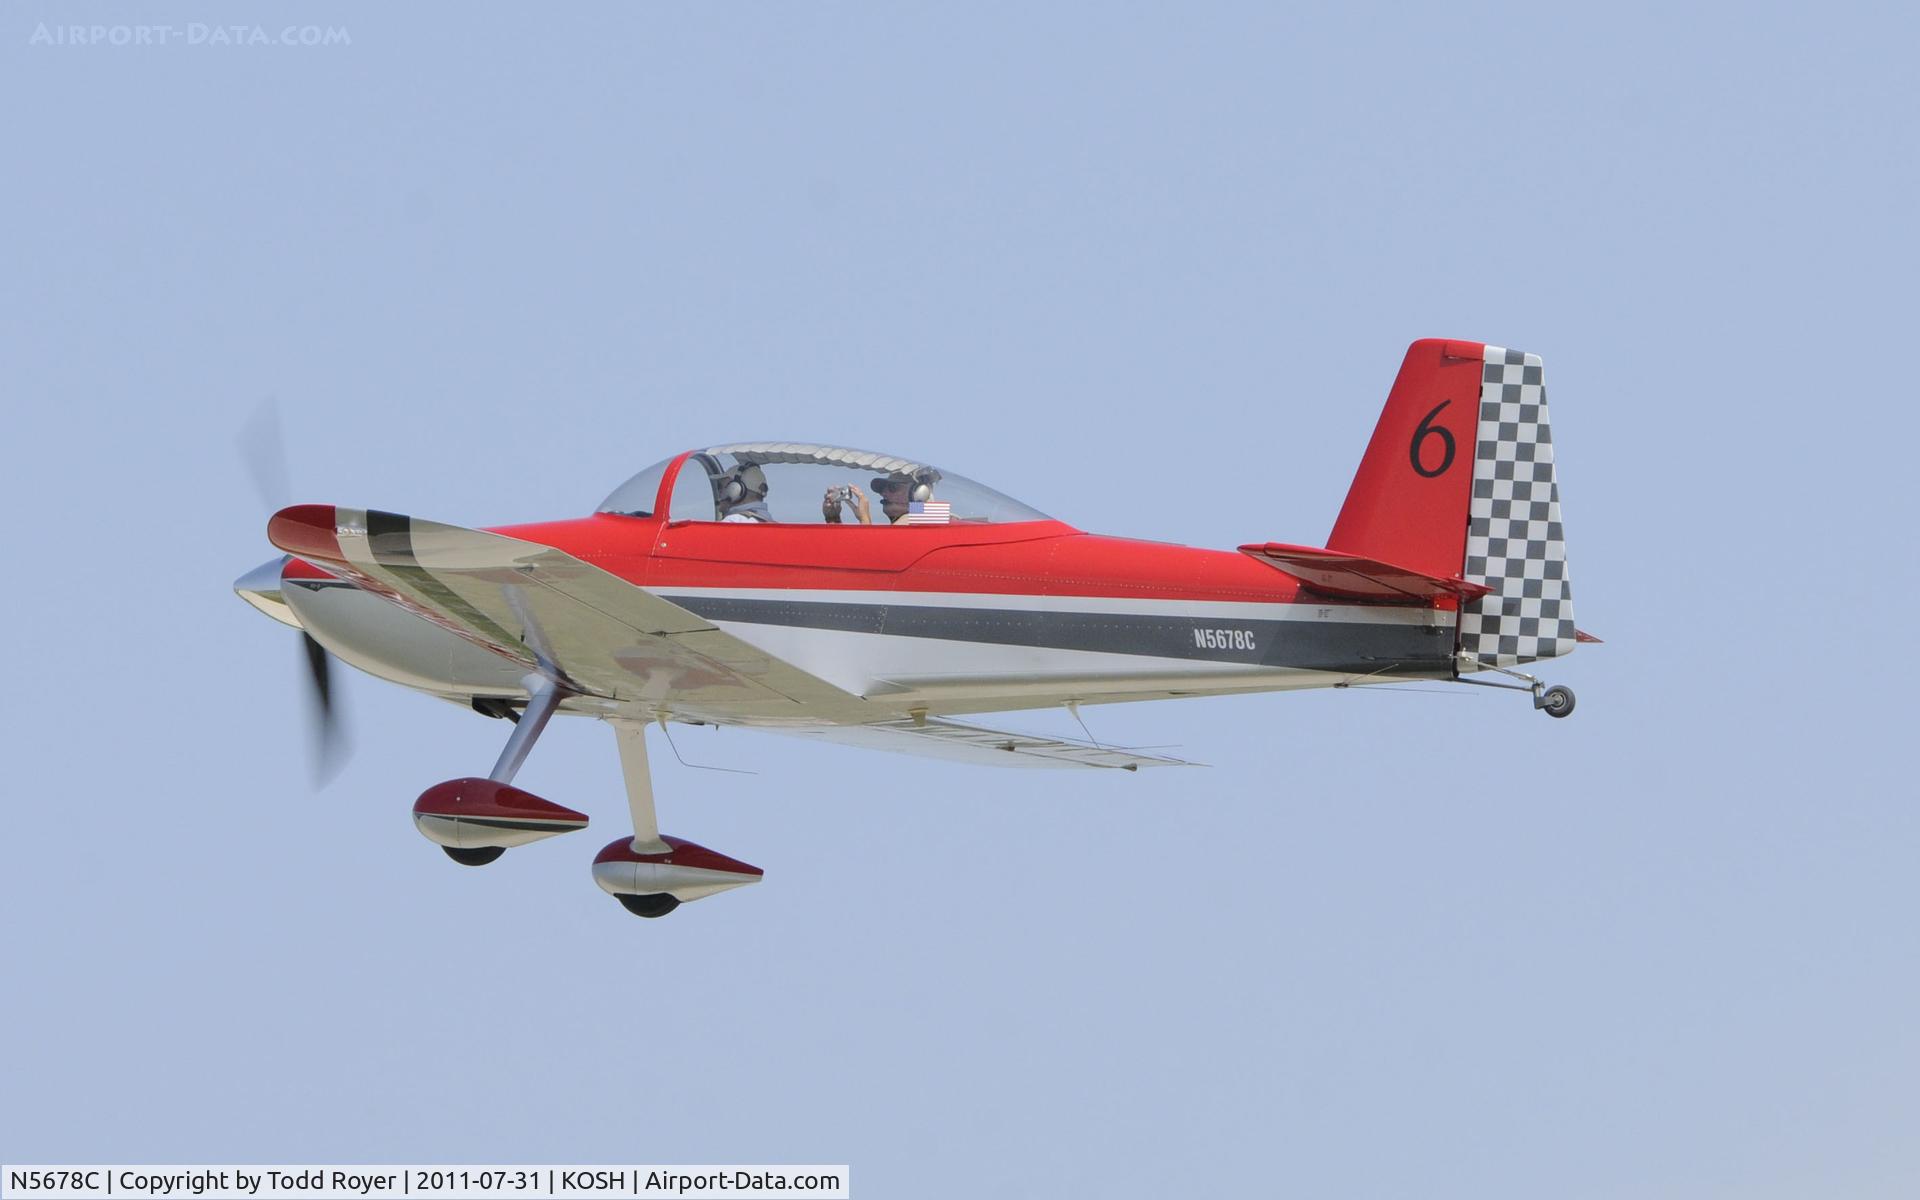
<point x="543" y="696"/>
<point x="1555" y="700"/>
<point x="632" y="736"/>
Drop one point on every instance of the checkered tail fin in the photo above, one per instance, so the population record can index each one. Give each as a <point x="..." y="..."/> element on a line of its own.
<point x="1516" y="544"/>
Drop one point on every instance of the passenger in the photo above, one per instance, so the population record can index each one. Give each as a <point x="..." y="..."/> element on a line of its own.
<point x="743" y="496"/>
<point x="896" y="493"/>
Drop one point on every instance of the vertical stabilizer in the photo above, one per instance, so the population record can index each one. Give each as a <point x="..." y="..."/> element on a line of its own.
<point x="1408" y="501"/>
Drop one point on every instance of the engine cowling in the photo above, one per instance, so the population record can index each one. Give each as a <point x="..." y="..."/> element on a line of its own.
<point x="685" y="870"/>
<point x="474" y="814"/>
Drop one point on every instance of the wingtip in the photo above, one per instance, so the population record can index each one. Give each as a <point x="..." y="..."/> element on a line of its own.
<point x="306" y="530"/>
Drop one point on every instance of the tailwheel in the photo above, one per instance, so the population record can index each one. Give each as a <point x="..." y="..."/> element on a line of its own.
<point x="1557" y="701"/>
<point x="474" y="856"/>
<point x="658" y="904"/>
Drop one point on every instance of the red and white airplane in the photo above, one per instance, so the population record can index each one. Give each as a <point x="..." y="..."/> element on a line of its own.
<point x="867" y="598"/>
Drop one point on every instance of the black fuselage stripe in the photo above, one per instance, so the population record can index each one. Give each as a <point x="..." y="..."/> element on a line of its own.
<point x="1360" y="647"/>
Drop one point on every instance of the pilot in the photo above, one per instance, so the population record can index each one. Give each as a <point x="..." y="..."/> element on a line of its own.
<point x="743" y="496"/>
<point x="896" y="493"/>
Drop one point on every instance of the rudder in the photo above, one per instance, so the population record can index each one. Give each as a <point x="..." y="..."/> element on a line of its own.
<point x="1516" y="543"/>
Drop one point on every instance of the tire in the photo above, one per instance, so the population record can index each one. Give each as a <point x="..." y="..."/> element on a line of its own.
<point x="478" y="856"/>
<point x="1558" y="701"/>
<point x="655" y="904"/>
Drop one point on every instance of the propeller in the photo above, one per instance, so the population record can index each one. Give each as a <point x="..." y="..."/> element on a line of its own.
<point x="330" y="746"/>
<point x="263" y="449"/>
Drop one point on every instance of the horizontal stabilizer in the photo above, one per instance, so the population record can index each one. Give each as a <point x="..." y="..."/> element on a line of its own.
<point x="1349" y="576"/>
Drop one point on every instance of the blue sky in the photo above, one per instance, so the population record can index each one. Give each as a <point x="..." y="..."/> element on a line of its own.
<point x="1148" y="269"/>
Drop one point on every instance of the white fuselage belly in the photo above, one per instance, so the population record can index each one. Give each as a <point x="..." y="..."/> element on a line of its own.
<point x="1220" y="647"/>
<point x="937" y="652"/>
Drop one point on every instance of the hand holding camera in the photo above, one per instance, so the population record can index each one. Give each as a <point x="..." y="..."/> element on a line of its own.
<point x="846" y="493"/>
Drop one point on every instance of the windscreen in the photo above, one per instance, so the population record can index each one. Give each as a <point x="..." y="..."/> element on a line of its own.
<point x="637" y="496"/>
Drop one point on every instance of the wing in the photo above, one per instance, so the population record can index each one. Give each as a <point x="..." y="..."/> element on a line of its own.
<point x="591" y="630"/>
<point x="938" y="737"/>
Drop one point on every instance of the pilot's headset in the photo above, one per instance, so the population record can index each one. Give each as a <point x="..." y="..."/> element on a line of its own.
<point x="918" y="488"/>
<point x="742" y="482"/>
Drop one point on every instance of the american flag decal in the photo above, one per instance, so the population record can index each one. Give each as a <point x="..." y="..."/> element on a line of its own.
<point x="929" y="512"/>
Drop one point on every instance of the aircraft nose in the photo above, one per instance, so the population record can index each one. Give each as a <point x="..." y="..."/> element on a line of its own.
<point x="260" y="587"/>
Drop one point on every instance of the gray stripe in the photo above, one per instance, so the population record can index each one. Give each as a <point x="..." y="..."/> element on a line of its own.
<point x="510" y="823"/>
<point x="1313" y="645"/>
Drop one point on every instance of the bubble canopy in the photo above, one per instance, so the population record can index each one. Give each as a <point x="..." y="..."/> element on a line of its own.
<point x="798" y="483"/>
